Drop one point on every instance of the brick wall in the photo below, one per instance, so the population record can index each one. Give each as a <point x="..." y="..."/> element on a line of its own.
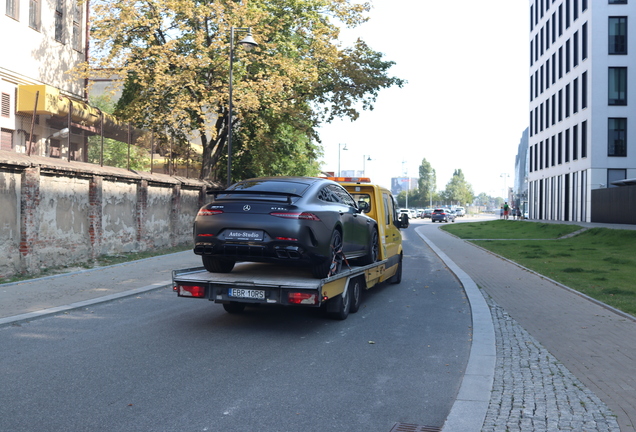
<point x="56" y="213"/>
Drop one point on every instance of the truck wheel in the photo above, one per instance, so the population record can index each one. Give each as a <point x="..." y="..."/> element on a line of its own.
<point x="341" y="305"/>
<point x="217" y="265"/>
<point x="397" y="277"/>
<point x="356" y="295"/>
<point x="373" y="250"/>
<point x="333" y="264"/>
<point x="234" y="307"/>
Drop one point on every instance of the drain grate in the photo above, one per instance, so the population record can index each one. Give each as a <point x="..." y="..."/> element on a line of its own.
<point x="406" y="427"/>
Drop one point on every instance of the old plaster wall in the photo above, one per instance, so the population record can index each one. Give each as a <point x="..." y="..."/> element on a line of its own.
<point x="57" y="213"/>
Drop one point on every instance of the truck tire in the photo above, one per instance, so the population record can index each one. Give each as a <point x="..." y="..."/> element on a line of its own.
<point x="341" y="305"/>
<point x="234" y="307"/>
<point x="324" y="269"/>
<point x="356" y="295"/>
<point x="217" y="265"/>
<point x="373" y="249"/>
<point x="397" y="277"/>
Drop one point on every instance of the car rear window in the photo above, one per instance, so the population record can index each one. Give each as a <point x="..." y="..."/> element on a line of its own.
<point x="297" y="188"/>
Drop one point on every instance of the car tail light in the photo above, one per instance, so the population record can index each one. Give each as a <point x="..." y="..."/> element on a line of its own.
<point x="209" y="212"/>
<point x="302" y="298"/>
<point x="286" y="238"/>
<point x="190" y="290"/>
<point x="296" y="215"/>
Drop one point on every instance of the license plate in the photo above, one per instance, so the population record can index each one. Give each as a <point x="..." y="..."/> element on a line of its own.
<point x="246" y="293"/>
<point x="244" y="235"/>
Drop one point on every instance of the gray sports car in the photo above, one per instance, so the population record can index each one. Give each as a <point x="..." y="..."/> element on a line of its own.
<point x="287" y="220"/>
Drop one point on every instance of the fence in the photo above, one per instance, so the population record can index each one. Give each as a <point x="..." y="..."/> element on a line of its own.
<point x="100" y="139"/>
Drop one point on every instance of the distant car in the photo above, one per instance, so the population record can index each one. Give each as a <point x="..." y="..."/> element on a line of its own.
<point x="427" y="213"/>
<point x="420" y="213"/>
<point x="284" y="220"/>
<point x="460" y="211"/>
<point x="442" y="215"/>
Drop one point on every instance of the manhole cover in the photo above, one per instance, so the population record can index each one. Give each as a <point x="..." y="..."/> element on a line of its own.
<point x="407" y="427"/>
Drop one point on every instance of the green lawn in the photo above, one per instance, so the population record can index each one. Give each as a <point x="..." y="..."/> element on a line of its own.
<point x="599" y="262"/>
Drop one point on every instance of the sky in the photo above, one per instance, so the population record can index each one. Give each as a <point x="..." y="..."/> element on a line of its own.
<point x="465" y="104"/>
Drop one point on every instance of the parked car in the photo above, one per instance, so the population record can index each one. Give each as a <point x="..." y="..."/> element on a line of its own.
<point x="427" y="213"/>
<point x="460" y="211"/>
<point x="442" y="215"/>
<point x="285" y="220"/>
<point x="420" y="213"/>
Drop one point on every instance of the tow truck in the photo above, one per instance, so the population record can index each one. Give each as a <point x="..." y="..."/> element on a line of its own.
<point x="340" y="294"/>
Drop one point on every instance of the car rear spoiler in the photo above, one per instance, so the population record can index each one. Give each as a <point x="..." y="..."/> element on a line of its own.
<point x="255" y="194"/>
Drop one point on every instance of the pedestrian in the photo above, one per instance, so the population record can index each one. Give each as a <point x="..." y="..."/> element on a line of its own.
<point x="506" y="209"/>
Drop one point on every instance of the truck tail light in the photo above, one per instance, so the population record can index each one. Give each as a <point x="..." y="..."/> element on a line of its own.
<point x="301" y="298"/>
<point x="296" y="215"/>
<point x="190" y="290"/>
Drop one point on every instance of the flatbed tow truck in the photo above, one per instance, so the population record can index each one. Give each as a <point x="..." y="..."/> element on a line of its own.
<point x="340" y="294"/>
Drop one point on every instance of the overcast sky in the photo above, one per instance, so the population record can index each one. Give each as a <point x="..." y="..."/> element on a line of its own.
<point x="466" y="101"/>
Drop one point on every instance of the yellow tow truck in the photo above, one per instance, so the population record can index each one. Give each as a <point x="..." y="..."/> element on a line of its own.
<point x="271" y="284"/>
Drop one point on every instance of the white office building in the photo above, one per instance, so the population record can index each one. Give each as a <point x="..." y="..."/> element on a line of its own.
<point x="582" y="132"/>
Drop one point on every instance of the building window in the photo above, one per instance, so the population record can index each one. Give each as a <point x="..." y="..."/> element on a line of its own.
<point x="575" y="49"/>
<point x="615" y="175"/>
<point x="6" y="105"/>
<point x="78" y="15"/>
<point x="59" y="20"/>
<point x="617" y="137"/>
<point x="12" y="9"/>
<point x="575" y="96"/>
<point x="560" y="62"/>
<point x="6" y="139"/>
<point x="34" y="14"/>
<point x="567" y="101"/>
<point x="617" y="1"/>
<point x="567" y="56"/>
<point x="584" y="42"/>
<point x="617" y="30"/>
<point x="567" y="145"/>
<point x="584" y="90"/>
<point x="584" y="139"/>
<point x="560" y="149"/>
<point x="575" y="142"/>
<point x="617" y="83"/>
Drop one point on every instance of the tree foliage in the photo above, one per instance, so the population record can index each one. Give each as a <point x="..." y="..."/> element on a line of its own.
<point x="173" y="59"/>
<point x="458" y="190"/>
<point x="427" y="182"/>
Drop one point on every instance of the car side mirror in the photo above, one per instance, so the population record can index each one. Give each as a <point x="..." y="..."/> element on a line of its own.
<point x="363" y="206"/>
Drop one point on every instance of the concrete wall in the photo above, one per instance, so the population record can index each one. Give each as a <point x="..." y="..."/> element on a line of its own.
<point x="55" y="213"/>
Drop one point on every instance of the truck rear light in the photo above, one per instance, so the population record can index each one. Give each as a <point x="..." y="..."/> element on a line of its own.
<point x="296" y="215"/>
<point x="301" y="298"/>
<point x="191" y="290"/>
<point x="209" y="212"/>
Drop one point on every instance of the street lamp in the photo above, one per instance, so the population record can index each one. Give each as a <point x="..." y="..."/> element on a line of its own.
<point x="505" y="179"/>
<point x="365" y="158"/>
<point x="340" y="148"/>
<point x="247" y="43"/>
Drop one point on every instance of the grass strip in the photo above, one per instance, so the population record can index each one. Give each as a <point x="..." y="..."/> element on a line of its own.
<point x="599" y="262"/>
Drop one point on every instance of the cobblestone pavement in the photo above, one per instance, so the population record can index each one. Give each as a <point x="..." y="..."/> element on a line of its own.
<point x="533" y="391"/>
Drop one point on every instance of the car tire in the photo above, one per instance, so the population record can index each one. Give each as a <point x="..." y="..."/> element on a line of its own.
<point x="234" y="307"/>
<point x="373" y="250"/>
<point x="333" y="264"/>
<point x="217" y="265"/>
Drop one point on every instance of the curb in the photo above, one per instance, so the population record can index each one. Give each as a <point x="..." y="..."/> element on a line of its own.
<point x="469" y="409"/>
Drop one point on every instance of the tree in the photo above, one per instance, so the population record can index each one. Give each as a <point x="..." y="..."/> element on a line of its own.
<point x="114" y="153"/>
<point x="458" y="190"/>
<point x="173" y="58"/>
<point x="427" y="182"/>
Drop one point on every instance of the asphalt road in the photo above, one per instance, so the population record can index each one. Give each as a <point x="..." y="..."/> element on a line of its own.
<point x="156" y="362"/>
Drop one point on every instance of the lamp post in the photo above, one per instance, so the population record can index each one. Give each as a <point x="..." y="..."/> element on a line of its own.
<point x="339" y="149"/>
<point x="247" y="43"/>
<point x="365" y="158"/>
<point x="505" y="191"/>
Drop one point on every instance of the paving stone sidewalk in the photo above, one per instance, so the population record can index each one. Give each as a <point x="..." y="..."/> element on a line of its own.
<point x="545" y="331"/>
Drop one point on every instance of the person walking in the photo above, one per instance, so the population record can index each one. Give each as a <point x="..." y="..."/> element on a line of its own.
<point x="506" y="209"/>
